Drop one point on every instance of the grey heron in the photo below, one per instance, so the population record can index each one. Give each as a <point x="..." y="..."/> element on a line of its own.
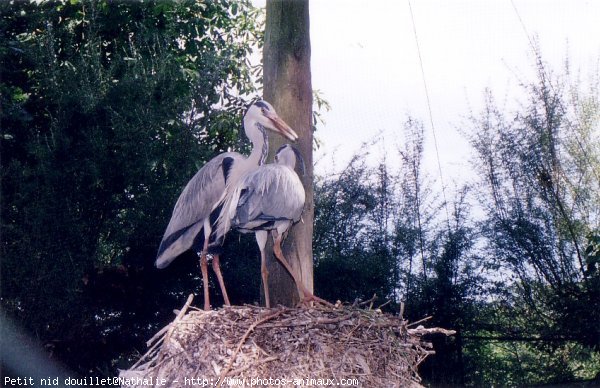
<point x="268" y="199"/>
<point x="204" y="191"/>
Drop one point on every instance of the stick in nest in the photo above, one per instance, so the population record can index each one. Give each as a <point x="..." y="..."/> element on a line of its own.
<point x="370" y="301"/>
<point x="157" y="337"/>
<point x="245" y="336"/>
<point x="419" y="321"/>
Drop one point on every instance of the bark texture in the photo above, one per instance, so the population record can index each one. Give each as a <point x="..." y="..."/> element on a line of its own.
<point x="287" y="85"/>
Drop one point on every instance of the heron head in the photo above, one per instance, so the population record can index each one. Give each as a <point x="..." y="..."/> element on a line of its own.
<point x="288" y="155"/>
<point x="263" y="113"/>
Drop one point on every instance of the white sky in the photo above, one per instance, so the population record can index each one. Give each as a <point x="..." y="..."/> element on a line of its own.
<point x="365" y="63"/>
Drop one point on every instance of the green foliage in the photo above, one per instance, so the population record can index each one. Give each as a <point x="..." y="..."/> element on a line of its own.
<point x="539" y="177"/>
<point x="320" y="104"/>
<point x="108" y="108"/>
<point x="543" y="192"/>
<point x="379" y="231"/>
<point x="520" y="287"/>
<point x="592" y="253"/>
<point x="519" y="358"/>
<point x="351" y="262"/>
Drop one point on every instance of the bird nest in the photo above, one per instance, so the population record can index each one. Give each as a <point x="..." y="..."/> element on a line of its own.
<point x="254" y="346"/>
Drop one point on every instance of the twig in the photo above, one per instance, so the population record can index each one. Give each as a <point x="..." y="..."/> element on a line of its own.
<point x="349" y="334"/>
<point x="148" y="353"/>
<point x="240" y="370"/>
<point x="237" y="350"/>
<point x="158" y="335"/>
<point x="169" y="328"/>
<point x="419" y="321"/>
<point x="385" y="304"/>
<point x="152" y="349"/>
<point x="321" y="321"/>
<point x="180" y="314"/>
<point x="433" y="330"/>
<point x="369" y="301"/>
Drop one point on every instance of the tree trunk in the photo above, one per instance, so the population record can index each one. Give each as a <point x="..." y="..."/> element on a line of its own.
<point x="287" y="86"/>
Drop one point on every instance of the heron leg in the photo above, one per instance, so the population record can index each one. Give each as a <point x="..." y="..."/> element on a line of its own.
<point x="204" y="269"/>
<point x="204" y="265"/>
<point x="217" y="268"/>
<point x="305" y="295"/>
<point x="279" y="255"/>
<point x="261" y="239"/>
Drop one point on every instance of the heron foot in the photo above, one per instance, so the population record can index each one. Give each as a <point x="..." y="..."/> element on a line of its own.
<point x="311" y="298"/>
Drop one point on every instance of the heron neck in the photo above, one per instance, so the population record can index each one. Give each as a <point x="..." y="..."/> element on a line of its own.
<point x="260" y="145"/>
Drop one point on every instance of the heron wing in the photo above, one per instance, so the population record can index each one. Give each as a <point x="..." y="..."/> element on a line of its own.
<point x="272" y="192"/>
<point x="193" y="206"/>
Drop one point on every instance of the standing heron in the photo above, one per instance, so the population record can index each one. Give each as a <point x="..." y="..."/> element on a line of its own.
<point x="205" y="190"/>
<point x="270" y="198"/>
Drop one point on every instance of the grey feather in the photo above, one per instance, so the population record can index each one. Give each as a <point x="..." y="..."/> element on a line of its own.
<point x="194" y="204"/>
<point x="264" y="196"/>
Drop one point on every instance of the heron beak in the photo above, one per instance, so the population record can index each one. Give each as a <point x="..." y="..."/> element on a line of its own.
<point x="282" y="127"/>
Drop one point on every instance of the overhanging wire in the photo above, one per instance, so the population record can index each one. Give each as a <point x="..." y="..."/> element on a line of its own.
<point x="437" y="153"/>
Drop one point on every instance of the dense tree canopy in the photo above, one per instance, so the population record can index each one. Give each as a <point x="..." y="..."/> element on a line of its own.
<point x="108" y="108"/>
